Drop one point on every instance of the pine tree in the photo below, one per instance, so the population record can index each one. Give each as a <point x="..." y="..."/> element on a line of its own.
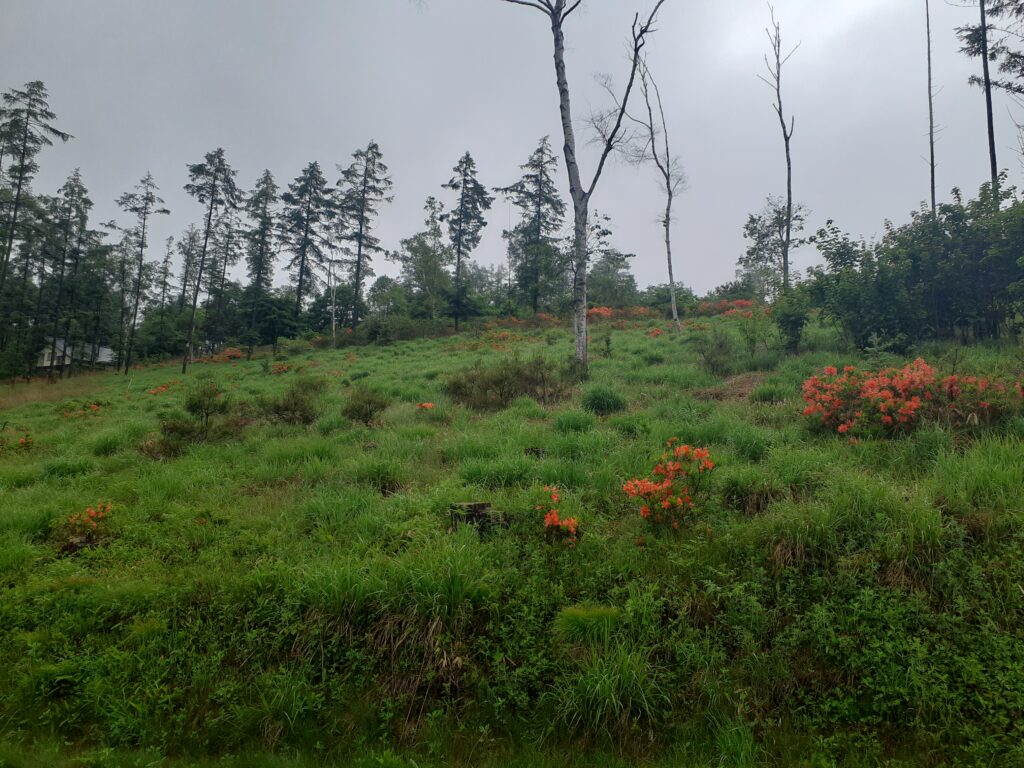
<point x="534" y="254"/>
<point x="212" y="183"/>
<point x="28" y="128"/>
<point x="364" y="186"/>
<point x="164" y="291"/>
<point x="465" y="224"/>
<point x="143" y="203"/>
<point x="261" y="249"/>
<point x="309" y="210"/>
<point x="188" y="249"/>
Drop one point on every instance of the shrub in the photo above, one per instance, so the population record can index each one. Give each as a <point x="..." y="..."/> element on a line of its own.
<point x="496" y="386"/>
<point x="204" y="400"/>
<point x="791" y="312"/>
<point x="365" y="405"/>
<point x="716" y="351"/>
<point x="678" y="477"/>
<point x="300" y="403"/>
<point x="896" y="401"/>
<point x="603" y="401"/>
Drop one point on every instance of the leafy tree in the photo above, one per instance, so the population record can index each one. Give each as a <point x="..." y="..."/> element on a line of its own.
<point x="771" y="239"/>
<point x="611" y="284"/>
<point x="425" y="259"/>
<point x="309" y="209"/>
<point x="465" y="224"/>
<point x="212" y="183"/>
<point x="364" y="186"/>
<point x="533" y="244"/>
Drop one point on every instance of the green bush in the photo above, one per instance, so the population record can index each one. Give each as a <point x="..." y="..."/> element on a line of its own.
<point x="604" y="401"/>
<point x="495" y="386"/>
<point x="790" y="312"/>
<point x="300" y="403"/>
<point x="365" y="405"/>
<point x="716" y="350"/>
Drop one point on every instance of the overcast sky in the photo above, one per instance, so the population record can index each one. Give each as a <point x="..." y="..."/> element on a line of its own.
<point x="151" y="85"/>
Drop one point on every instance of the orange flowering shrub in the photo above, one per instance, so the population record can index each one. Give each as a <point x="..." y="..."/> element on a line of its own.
<point x="90" y="522"/>
<point x="425" y="406"/>
<point x="898" y="400"/>
<point x="723" y="307"/>
<point x="82" y="409"/>
<point x="557" y="527"/>
<point x="278" y="368"/>
<point x="667" y="498"/>
<point x="600" y="313"/>
<point x="163" y="387"/>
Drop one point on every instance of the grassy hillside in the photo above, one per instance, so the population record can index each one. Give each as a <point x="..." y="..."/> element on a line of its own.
<point x="271" y="587"/>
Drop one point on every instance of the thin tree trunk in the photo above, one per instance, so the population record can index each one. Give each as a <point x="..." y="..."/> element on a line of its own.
<point x="199" y="278"/>
<point x="931" y="103"/>
<point x="138" y="296"/>
<point x="994" y="166"/>
<point x="56" y="308"/>
<point x="15" y="206"/>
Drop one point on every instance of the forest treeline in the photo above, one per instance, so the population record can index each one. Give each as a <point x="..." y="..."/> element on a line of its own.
<point x="88" y="291"/>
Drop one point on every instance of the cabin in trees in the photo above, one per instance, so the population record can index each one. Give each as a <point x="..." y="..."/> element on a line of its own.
<point x="59" y="356"/>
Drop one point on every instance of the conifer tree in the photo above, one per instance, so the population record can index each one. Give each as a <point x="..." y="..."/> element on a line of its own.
<point x="212" y="183"/>
<point x="309" y="209"/>
<point x="364" y="186"/>
<point x="465" y="224"/>
<point x="532" y="244"/>
<point x="143" y="203"/>
<point x="28" y="128"/>
<point x="261" y="249"/>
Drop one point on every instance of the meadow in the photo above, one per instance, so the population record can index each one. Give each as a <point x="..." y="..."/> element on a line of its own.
<point x="284" y="575"/>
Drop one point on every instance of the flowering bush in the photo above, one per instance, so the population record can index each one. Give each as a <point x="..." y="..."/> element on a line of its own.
<point x="278" y="368"/>
<point x="668" y="497"/>
<point x="25" y="442"/>
<point x="76" y="410"/>
<point x="897" y="400"/>
<point x="89" y="524"/>
<point x="655" y="333"/>
<point x="723" y="307"/>
<point x="600" y="313"/>
<point x="163" y="387"/>
<point x="425" y="406"/>
<point x="557" y="528"/>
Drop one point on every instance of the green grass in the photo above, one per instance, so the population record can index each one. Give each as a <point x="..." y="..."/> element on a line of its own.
<point x="289" y="592"/>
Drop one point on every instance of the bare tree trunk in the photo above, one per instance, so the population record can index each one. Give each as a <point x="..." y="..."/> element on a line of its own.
<point x="557" y="12"/>
<point x="931" y="103"/>
<point x="994" y="166"/>
<point x="774" y="80"/>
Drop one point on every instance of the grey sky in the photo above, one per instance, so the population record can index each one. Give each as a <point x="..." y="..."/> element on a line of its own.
<point x="154" y="84"/>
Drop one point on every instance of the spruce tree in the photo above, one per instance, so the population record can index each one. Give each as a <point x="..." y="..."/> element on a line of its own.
<point x="261" y="250"/>
<point x="364" y="186"/>
<point x="465" y="225"/>
<point x="534" y="255"/>
<point x="309" y="209"/>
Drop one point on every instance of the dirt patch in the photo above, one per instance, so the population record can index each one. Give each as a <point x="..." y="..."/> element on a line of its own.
<point x="734" y="388"/>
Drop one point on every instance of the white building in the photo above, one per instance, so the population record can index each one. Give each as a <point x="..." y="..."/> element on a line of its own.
<point x="85" y="356"/>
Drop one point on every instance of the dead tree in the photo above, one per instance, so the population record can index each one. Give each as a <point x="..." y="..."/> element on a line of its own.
<point x="557" y="11"/>
<point x="774" y="62"/>
<point x="931" y="102"/>
<point x="653" y="146"/>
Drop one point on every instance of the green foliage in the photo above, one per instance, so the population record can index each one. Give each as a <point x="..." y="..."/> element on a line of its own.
<point x="790" y="313"/>
<point x="365" y="405"/>
<point x="299" y="404"/>
<point x="716" y="350"/>
<point x="497" y="385"/>
<point x="603" y="401"/>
